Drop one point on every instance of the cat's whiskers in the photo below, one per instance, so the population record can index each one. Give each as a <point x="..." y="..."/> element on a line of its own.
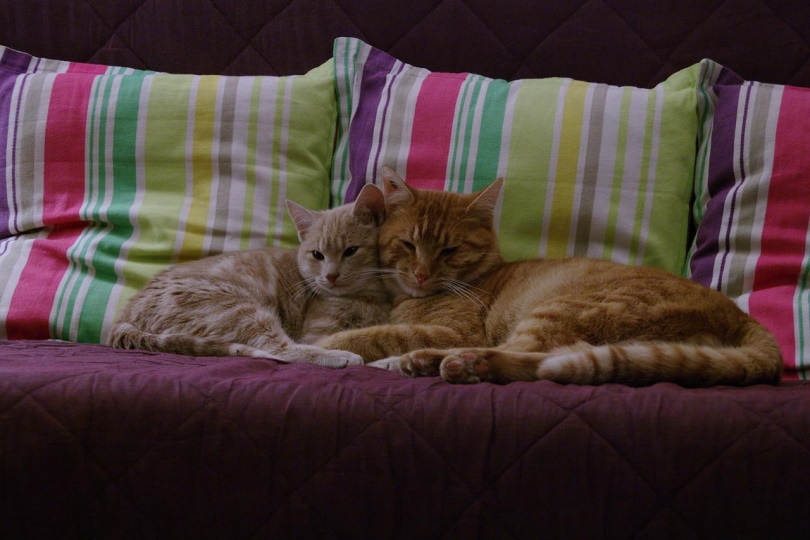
<point x="390" y="274"/>
<point x="458" y="287"/>
<point x="464" y="291"/>
<point x="298" y="287"/>
<point x="302" y="287"/>
<point x="384" y="271"/>
<point x="363" y="272"/>
<point x="472" y="288"/>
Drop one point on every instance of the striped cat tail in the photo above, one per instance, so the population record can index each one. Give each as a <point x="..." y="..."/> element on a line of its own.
<point x="763" y="350"/>
<point x="755" y="360"/>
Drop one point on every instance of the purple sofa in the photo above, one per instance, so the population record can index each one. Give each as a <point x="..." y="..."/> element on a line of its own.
<point x="102" y="443"/>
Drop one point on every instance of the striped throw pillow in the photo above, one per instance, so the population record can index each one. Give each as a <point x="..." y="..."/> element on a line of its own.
<point x="752" y="204"/>
<point x="111" y="174"/>
<point x="590" y="169"/>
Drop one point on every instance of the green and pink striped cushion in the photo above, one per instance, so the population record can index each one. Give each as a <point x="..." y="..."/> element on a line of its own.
<point x="590" y="169"/>
<point x="111" y="174"/>
<point x="752" y="204"/>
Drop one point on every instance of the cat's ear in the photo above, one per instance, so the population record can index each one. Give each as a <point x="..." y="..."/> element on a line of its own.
<point x="371" y="203"/>
<point x="394" y="188"/>
<point x="486" y="200"/>
<point x="303" y="218"/>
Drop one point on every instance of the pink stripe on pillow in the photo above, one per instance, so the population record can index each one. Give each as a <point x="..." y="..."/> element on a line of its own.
<point x="779" y="266"/>
<point x="63" y="193"/>
<point x="65" y="138"/>
<point x="87" y="69"/>
<point x="772" y="306"/>
<point x="432" y="135"/>
<point x="30" y="309"/>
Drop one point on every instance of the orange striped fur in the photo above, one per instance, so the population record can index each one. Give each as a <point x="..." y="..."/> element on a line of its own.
<point x="465" y="314"/>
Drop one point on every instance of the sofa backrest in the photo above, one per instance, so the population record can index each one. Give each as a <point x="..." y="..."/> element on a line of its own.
<point x="614" y="41"/>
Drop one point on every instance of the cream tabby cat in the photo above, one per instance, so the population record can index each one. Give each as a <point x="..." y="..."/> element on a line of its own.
<point x="462" y="312"/>
<point x="269" y="302"/>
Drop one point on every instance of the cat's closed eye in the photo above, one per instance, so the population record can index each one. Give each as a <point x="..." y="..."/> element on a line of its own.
<point x="446" y="252"/>
<point x="408" y="245"/>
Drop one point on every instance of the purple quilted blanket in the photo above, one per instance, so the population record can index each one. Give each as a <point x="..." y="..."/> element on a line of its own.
<point x="132" y="444"/>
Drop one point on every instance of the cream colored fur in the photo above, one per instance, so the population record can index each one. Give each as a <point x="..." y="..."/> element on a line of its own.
<point x="269" y="302"/>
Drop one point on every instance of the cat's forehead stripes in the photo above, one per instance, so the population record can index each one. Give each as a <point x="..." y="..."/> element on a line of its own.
<point x="435" y="226"/>
<point x="435" y="221"/>
<point x="433" y="237"/>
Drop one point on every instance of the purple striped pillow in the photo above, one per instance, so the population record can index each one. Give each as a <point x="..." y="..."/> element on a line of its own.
<point x="753" y="204"/>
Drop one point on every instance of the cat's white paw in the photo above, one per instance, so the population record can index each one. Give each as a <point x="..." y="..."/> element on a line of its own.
<point x="391" y="363"/>
<point x="239" y="349"/>
<point x="321" y="357"/>
<point x="338" y="359"/>
<point x="330" y="358"/>
<point x="260" y="354"/>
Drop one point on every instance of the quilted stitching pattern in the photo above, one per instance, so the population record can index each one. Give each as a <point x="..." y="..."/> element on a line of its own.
<point x="98" y="431"/>
<point x="614" y="41"/>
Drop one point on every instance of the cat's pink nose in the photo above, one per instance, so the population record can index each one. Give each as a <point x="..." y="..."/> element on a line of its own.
<point x="332" y="278"/>
<point x="421" y="278"/>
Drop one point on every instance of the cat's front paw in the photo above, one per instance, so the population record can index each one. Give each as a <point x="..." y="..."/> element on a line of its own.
<point x="323" y="357"/>
<point x="465" y="367"/>
<point x="391" y="363"/>
<point x="339" y="359"/>
<point x="421" y="363"/>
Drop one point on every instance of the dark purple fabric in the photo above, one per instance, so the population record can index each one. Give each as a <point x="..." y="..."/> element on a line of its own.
<point x="611" y="41"/>
<point x="102" y="443"/>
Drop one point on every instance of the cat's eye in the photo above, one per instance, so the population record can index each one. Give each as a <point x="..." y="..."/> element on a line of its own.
<point x="317" y="255"/>
<point x="409" y="246"/>
<point x="446" y="252"/>
<point x="351" y="250"/>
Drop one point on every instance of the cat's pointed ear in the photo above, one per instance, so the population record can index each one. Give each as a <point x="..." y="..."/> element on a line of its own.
<point x="370" y="202"/>
<point x="394" y="188"/>
<point x="486" y="199"/>
<point x="303" y="218"/>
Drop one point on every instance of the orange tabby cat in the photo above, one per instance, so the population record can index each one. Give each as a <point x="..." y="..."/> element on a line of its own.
<point x="463" y="313"/>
